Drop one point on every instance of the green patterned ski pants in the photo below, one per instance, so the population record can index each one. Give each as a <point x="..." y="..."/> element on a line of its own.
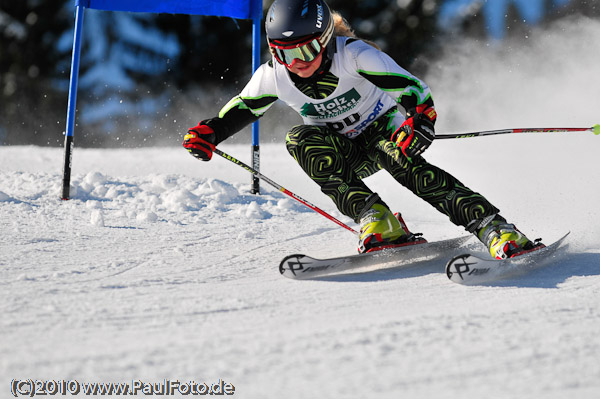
<point x="338" y="165"/>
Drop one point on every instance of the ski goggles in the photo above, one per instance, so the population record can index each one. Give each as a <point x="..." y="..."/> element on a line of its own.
<point x="288" y="53"/>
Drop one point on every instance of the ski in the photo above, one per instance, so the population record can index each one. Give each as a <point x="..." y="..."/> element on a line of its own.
<point x="470" y="269"/>
<point x="304" y="267"/>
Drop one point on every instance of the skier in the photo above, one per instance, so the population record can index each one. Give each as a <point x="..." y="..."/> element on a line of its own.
<point x="350" y="96"/>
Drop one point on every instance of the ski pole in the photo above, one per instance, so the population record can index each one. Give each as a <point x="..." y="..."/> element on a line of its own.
<point x="595" y="129"/>
<point x="283" y="190"/>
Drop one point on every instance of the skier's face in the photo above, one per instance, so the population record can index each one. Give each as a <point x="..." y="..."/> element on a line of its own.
<point x="305" y="69"/>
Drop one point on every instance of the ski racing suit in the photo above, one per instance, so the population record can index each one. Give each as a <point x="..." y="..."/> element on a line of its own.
<point x="350" y="110"/>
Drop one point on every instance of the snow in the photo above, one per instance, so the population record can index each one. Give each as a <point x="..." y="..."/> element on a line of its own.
<point x="164" y="267"/>
<point x="161" y="266"/>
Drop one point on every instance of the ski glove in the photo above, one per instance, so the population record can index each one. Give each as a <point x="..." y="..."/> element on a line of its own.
<point x="200" y="141"/>
<point x="417" y="132"/>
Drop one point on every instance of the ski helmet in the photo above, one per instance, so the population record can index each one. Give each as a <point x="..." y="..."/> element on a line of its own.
<point x="298" y="29"/>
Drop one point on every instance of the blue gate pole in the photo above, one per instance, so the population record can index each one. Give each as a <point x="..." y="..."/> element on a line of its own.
<point x="256" y="27"/>
<point x="71" y="106"/>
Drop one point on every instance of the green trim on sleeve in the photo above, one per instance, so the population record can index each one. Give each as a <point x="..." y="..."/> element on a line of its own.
<point x="390" y="81"/>
<point x="256" y="105"/>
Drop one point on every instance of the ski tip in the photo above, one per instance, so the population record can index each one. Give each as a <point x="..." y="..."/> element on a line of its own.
<point x="469" y="269"/>
<point x="596" y="129"/>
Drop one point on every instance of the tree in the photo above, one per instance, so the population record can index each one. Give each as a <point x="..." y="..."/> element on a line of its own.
<point x="28" y="59"/>
<point x="405" y="29"/>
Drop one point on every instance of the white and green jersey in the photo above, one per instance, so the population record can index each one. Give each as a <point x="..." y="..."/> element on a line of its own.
<point x="361" y="84"/>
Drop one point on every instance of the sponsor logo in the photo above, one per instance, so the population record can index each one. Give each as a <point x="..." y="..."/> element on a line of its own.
<point x="319" y="16"/>
<point x="372" y="116"/>
<point x="296" y="266"/>
<point x="304" y="8"/>
<point x="331" y="108"/>
<point x="479" y="271"/>
<point x="428" y="130"/>
<point x="451" y="195"/>
<point x="460" y="268"/>
<point x="431" y="113"/>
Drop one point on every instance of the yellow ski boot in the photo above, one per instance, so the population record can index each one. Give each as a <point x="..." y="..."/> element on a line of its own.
<point x="504" y="240"/>
<point x="379" y="227"/>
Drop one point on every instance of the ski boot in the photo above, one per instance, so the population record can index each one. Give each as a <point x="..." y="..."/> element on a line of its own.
<point x="380" y="229"/>
<point x="503" y="239"/>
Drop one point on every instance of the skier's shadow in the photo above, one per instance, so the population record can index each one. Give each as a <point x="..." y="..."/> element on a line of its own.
<point x="549" y="276"/>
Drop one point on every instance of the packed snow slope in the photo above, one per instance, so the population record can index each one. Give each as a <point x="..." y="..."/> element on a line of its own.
<point x="164" y="267"/>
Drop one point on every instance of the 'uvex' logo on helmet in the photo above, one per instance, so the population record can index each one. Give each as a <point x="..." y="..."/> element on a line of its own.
<point x="319" y="16"/>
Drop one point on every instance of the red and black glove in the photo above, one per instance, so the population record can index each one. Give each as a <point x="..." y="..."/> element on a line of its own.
<point x="200" y="141"/>
<point x="417" y="132"/>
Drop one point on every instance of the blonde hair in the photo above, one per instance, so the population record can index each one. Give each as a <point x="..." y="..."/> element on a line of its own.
<point x="342" y="28"/>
